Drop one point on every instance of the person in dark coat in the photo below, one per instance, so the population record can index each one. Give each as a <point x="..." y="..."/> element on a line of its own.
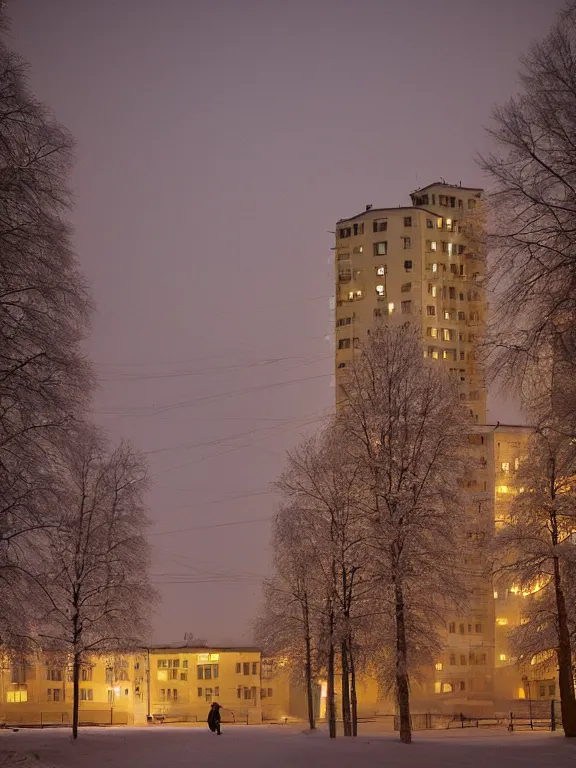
<point x="214" y="718"/>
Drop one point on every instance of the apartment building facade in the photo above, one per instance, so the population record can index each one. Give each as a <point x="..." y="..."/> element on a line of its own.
<point x="161" y="683"/>
<point x="424" y="264"/>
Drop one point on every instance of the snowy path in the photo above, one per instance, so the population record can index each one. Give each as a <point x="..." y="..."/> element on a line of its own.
<point x="267" y="746"/>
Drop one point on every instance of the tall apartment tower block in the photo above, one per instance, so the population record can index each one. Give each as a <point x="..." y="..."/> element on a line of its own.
<point x="424" y="264"/>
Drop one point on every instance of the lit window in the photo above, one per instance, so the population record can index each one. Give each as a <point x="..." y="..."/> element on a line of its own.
<point x="433" y="332"/>
<point x="380" y="290"/>
<point x="521" y="693"/>
<point x="516" y="463"/>
<point x="380" y="270"/>
<point x="434" y="291"/>
<point x="447" y="688"/>
<point x="434" y="267"/>
<point x="391" y="307"/>
<point x="438" y="687"/>
<point x="439" y="666"/>
<point x="495" y="595"/>
<point x="446" y="315"/>
<point x="503" y="657"/>
<point x="357" y="249"/>
<point x="16" y="697"/>
<point x="433" y="245"/>
<point x="440" y="222"/>
<point x="450" y="249"/>
<point x="505" y="466"/>
<point x="435" y="354"/>
<point x="449" y="224"/>
<point x="502" y="622"/>
<point x="446" y="334"/>
<point x="502" y="489"/>
<point x="162" y="674"/>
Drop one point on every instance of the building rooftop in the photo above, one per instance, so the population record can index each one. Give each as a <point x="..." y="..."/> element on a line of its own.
<point x="201" y="648"/>
<point x="442" y="183"/>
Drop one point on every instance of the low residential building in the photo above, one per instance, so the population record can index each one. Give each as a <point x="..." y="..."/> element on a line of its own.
<point x="166" y="682"/>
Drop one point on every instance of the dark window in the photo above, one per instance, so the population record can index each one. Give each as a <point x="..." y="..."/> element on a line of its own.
<point x="462" y="660"/>
<point x="407" y="221"/>
<point x="342" y="344"/>
<point x="429" y="224"/>
<point x="552" y="690"/>
<point x="406" y="307"/>
<point x="408" y="265"/>
<point x="238" y="668"/>
<point x="184" y="676"/>
<point x="246" y="663"/>
<point x="452" y="202"/>
<point x="461" y="629"/>
<point x="200" y="671"/>
<point x="452" y="627"/>
<point x="452" y="292"/>
<point x="406" y="287"/>
<point x="542" y="690"/>
<point x="462" y="685"/>
<point x="355" y="228"/>
<point x="431" y="310"/>
<point x="109" y="675"/>
<point x="452" y="659"/>
<point x="381" y="249"/>
<point x="407" y="241"/>
<point x="478" y="628"/>
<point x="379" y="225"/>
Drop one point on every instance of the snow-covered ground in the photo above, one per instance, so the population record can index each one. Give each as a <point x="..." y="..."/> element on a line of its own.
<point x="283" y="747"/>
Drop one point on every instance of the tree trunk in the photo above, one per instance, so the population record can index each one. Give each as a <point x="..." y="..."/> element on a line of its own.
<point x="564" y="655"/>
<point x="309" y="691"/>
<point x="76" y="694"/>
<point x="330" y="704"/>
<point x="402" y="688"/>
<point x="353" y="697"/>
<point x="345" y="690"/>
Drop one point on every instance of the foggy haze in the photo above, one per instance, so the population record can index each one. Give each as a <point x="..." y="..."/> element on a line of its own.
<point x="218" y="143"/>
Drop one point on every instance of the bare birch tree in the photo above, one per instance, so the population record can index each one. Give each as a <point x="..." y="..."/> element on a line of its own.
<point x="323" y="483"/>
<point x="533" y="227"/>
<point x="286" y="625"/>
<point x="406" y="431"/>
<point x="44" y="307"/>
<point x="536" y="554"/>
<point x="94" y="582"/>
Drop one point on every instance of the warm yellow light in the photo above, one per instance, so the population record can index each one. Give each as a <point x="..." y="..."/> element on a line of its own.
<point x="439" y="666"/>
<point x="438" y="687"/>
<point x="503" y="657"/>
<point x="434" y="291"/>
<point x="435" y="354"/>
<point x="391" y="307"/>
<point x="514" y="590"/>
<point x="214" y="657"/>
<point x="203" y="658"/>
<point x="495" y="595"/>
<point x="502" y="622"/>
<point x="16" y="697"/>
<point x="433" y="246"/>
<point x="521" y="693"/>
<point x="502" y="489"/>
<point x="162" y="674"/>
<point x="439" y="222"/>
